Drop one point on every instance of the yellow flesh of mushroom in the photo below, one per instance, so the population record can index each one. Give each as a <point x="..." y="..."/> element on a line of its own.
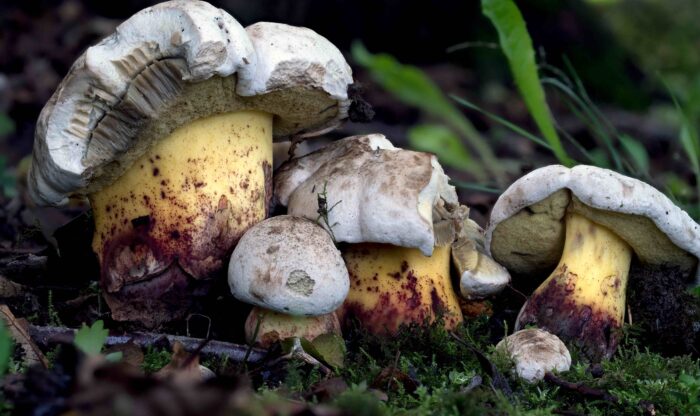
<point x="583" y="300"/>
<point x="391" y="286"/>
<point x="187" y="200"/>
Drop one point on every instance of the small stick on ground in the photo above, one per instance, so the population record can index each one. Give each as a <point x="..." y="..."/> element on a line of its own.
<point x="585" y="391"/>
<point x="49" y="336"/>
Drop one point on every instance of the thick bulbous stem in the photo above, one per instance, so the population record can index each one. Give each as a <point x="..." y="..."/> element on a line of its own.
<point x="392" y="286"/>
<point x="583" y="300"/>
<point x="264" y="327"/>
<point x="170" y="222"/>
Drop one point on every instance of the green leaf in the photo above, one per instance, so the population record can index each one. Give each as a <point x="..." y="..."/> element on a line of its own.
<point x="637" y="152"/>
<point x="517" y="46"/>
<point x="331" y="349"/>
<point x="408" y="83"/>
<point x="7" y="126"/>
<point x="90" y="340"/>
<point x="441" y="141"/>
<point x="5" y="348"/>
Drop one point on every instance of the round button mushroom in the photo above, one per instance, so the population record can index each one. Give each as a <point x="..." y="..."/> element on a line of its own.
<point x="535" y="352"/>
<point x="167" y="127"/>
<point x="288" y="265"/>
<point x="583" y="226"/>
<point x="400" y="215"/>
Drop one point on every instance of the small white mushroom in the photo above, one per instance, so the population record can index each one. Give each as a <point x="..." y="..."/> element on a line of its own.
<point x="534" y="353"/>
<point x="289" y="265"/>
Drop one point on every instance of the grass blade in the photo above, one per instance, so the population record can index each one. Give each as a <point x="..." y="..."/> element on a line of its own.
<point x="517" y="46"/>
<point x="511" y="126"/>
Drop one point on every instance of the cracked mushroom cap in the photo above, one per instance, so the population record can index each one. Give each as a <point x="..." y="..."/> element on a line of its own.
<point x="527" y="228"/>
<point x="535" y="352"/>
<point x="168" y="65"/>
<point x="374" y="192"/>
<point x="289" y="265"/>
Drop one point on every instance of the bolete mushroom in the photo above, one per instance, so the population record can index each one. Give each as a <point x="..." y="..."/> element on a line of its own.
<point x="382" y="203"/>
<point x="290" y="266"/>
<point x="534" y="353"/>
<point x="583" y="226"/>
<point x="167" y="127"/>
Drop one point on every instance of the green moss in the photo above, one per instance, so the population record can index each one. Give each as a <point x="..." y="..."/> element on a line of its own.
<point x="155" y="359"/>
<point x="444" y="369"/>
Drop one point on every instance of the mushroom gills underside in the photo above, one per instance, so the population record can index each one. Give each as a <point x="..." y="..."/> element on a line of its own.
<point x="583" y="299"/>
<point x="182" y="206"/>
<point x="392" y="286"/>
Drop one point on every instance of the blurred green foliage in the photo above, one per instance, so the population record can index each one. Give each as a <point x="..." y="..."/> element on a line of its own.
<point x="614" y="149"/>
<point x="413" y="87"/>
<point x="7" y="126"/>
<point x="664" y="37"/>
<point x="5" y="348"/>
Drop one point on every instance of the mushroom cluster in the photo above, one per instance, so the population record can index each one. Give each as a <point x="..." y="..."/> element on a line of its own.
<point x="398" y="222"/>
<point x="167" y="127"/>
<point x="588" y="225"/>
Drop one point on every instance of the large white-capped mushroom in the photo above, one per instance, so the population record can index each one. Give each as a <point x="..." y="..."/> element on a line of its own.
<point x="288" y="265"/>
<point x="400" y="215"/>
<point x="585" y="225"/>
<point x="167" y="126"/>
<point x="535" y="352"/>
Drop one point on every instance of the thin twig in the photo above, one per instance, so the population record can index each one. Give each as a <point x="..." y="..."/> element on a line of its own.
<point x="585" y="391"/>
<point x="49" y="336"/>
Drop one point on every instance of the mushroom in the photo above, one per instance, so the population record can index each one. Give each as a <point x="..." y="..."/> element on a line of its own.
<point x="167" y="127"/>
<point x="583" y="226"/>
<point x="264" y="327"/>
<point x="288" y="265"/>
<point x="399" y="216"/>
<point x="535" y="352"/>
<point x="480" y="275"/>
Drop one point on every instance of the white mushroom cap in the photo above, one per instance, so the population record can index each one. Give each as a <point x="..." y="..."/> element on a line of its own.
<point x="136" y="86"/>
<point x="526" y="230"/>
<point x="480" y="276"/>
<point x="289" y="265"/>
<point x="535" y="352"/>
<point x="375" y="192"/>
<point x="297" y="59"/>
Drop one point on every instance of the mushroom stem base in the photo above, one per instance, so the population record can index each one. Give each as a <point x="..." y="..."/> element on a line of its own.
<point x="265" y="327"/>
<point x="583" y="300"/>
<point x="392" y="286"/>
<point x="181" y="208"/>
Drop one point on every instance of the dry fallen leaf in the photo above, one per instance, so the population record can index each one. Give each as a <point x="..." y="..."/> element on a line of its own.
<point x="19" y="332"/>
<point x="184" y="368"/>
<point x="10" y="289"/>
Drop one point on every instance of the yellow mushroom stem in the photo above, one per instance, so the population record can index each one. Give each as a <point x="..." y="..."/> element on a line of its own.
<point x="264" y="327"/>
<point x="583" y="300"/>
<point x="178" y="211"/>
<point x="392" y="286"/>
